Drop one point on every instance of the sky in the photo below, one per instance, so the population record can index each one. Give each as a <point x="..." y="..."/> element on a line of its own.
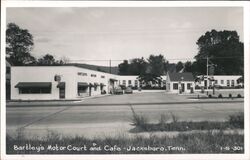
<point x="93" y="33"/>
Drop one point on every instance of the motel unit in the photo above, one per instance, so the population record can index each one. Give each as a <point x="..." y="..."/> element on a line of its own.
<point x="219" y="80"/>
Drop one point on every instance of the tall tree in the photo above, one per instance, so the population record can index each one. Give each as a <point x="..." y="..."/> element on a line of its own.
<point x="124" y="68"/>
<point x="224" y="50"/>
<point x="19" y="43"/>
<point x="137" y="66"/>
<point x="157" y="66"/>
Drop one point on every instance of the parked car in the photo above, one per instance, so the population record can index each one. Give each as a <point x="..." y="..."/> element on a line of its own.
<point x="118" y="90"/>
<point x="128" y="90"/>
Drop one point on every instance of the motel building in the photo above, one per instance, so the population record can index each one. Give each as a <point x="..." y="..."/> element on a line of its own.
<point x="219" y="81"/>
<point x="74" y="82"/>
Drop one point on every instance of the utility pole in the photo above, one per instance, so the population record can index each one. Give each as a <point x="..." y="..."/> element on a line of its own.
<point x="110" y="66"/>
<point x="207" y="74"/>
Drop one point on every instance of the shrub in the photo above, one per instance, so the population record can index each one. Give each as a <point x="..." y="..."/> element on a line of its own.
<point x="139" y="120"/>
<point x="230" y="95"/>
<point x="239" y="96"/>
<point x="163" y="119"/>
<point x="209" y="96"/>
<point x="220" y="96"/>
<point x="174" y="118"/>
<point x="237" y="120"/>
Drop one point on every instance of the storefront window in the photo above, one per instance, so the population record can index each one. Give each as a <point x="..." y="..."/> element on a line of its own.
<point x="34" y="90"/>
<point x="175" y="86"/>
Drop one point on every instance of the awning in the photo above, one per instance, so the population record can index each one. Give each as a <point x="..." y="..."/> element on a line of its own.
<point x="102" y="84"/>
<point x="61" y="85"/>
<point x="83" y="84"/>
<point x="112" y="79"/>
<point x="33" y="85"/>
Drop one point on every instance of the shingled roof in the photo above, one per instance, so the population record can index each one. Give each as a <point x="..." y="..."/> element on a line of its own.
<point x="187" y="76"/>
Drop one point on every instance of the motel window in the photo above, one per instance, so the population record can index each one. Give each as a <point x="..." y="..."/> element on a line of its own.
<point x="82" y="74"/>
<point x="102" y="76"/>
<point x="188" y="85"/>
<point x="93" y="75"/>
<point x="222" y="81"/>
<point x="228" y="83"/>
<point x="216" y="82"/>
<point x="232" y="83"/>
<point x="129" y="82"/>
<point x="136" y="82"/>
<point x="124" y="82"/>
<point x="175" y="86"/>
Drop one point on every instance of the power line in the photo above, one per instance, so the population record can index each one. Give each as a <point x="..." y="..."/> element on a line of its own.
<point x="229" y="57"/>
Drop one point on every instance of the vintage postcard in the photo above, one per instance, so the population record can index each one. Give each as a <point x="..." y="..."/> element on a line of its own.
<point x="125" y="80"/>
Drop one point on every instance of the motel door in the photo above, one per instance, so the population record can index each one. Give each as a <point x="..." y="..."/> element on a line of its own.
<point x="61" y="93"/>
<point x="183" y="87"/>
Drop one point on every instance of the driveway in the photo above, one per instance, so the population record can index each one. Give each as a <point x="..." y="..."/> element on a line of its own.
<point x="110" y="120"/>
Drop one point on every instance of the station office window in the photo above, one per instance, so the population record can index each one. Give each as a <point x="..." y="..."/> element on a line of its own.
<point x="222" y="81"/>
<point x="175" y="86"/>
<point x="188" y="85"/>
<point x="228" y="83"/>
<point x="102" y="76"/>
<point x="216" y="81"/>
<point x="93" y="75"/>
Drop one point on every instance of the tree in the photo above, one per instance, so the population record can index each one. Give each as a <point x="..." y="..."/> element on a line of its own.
<point x="19" y="43"/>
<point x="224" y="50"/>
<point x="188" y="67"/>
<point x="47" y="59"/>
<point x="124" y="68"/>
<point x="179" y="66"/>
<point x="63" y="60"/>
<point x="137" y="66"/>
<point x="157" y="66"/>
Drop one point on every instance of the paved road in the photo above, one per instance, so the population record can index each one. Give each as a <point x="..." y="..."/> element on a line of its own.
<point x="99" y="120"/>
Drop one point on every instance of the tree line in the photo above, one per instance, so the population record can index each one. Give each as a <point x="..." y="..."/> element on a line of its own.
<point x="221" y="49"/>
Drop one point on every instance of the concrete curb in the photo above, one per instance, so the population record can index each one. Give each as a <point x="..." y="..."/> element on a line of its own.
<point x="124" y="104"/>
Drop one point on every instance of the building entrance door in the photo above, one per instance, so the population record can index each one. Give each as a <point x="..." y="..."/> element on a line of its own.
<point x="61" y="93"/>
<point x="183" y="87"/>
